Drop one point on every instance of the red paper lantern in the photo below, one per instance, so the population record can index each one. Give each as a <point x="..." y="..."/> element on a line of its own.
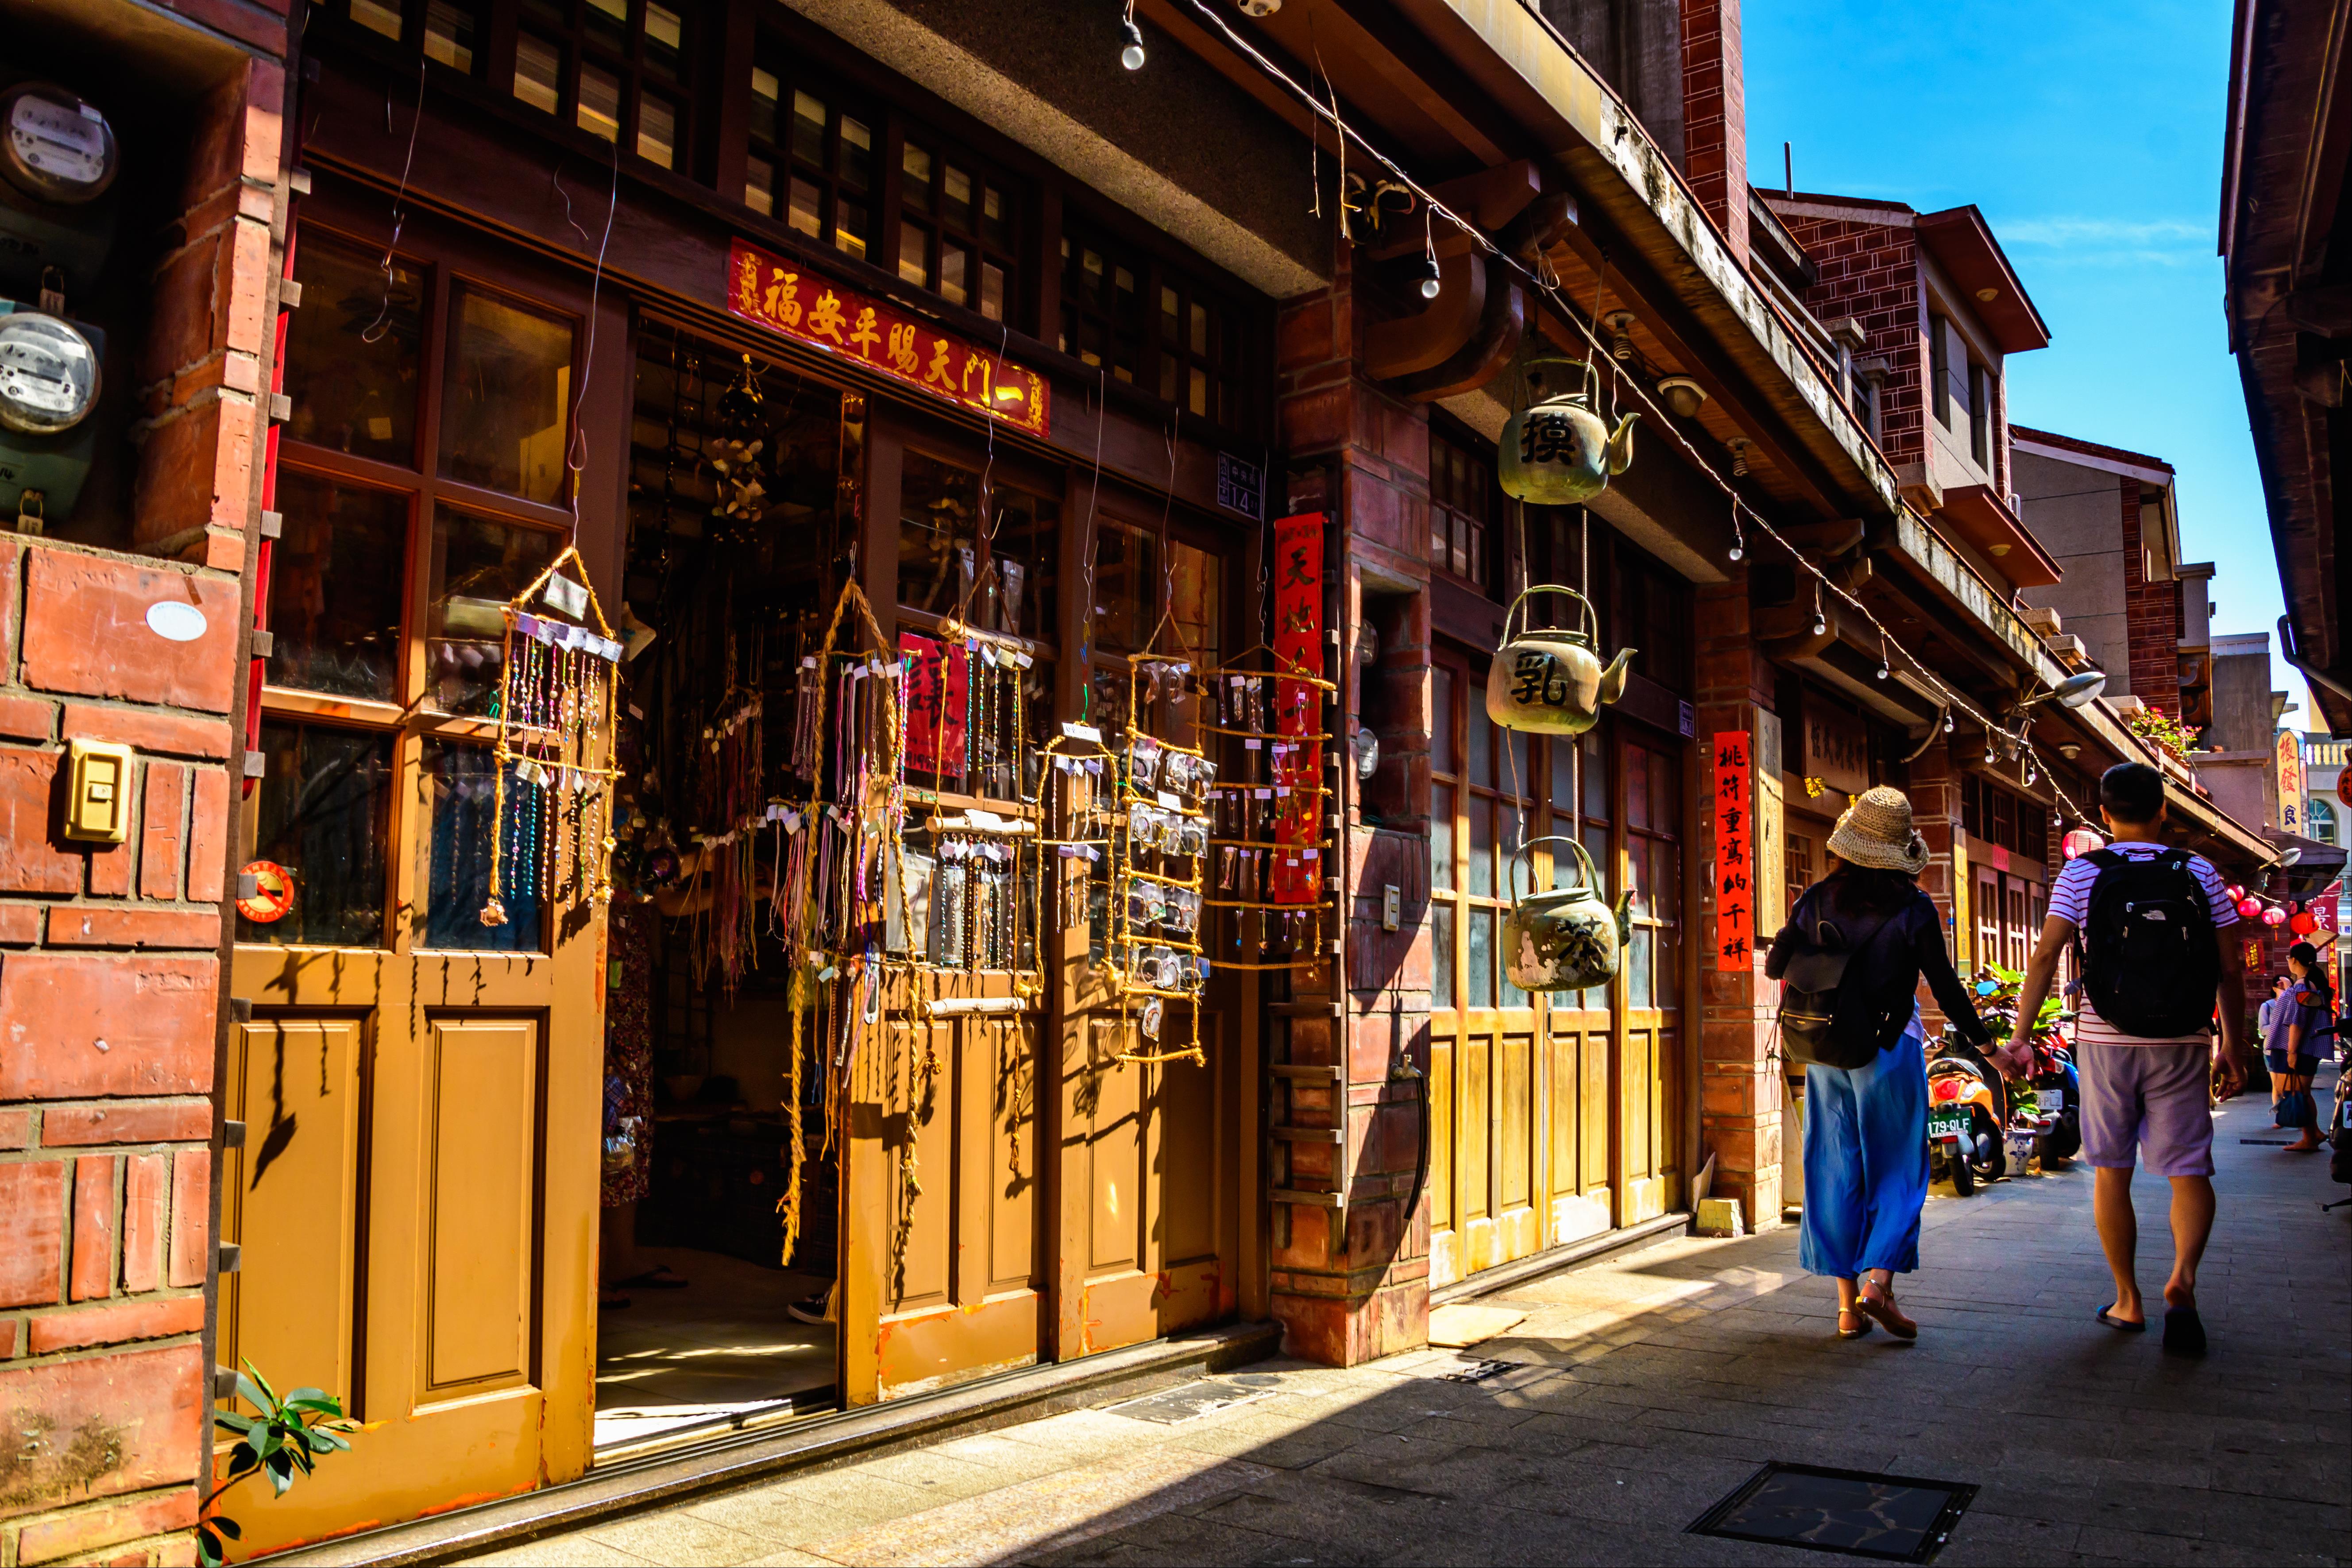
<point x="2273" y="917"/>
<point x="2235" y="893"/>
<point x="2082" y="841"/>
<point x="2247" y="909"/>
<point x="2303" y="923"/>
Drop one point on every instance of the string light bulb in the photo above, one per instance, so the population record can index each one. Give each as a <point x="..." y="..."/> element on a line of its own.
<point x="1883" y="671"/>
<point x="1948" y="722"/>
<point x="1821" y="623"/>
<point x="1131" y="57"/>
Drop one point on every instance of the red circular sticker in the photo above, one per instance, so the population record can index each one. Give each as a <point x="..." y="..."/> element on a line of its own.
<point x="273" y="892"/>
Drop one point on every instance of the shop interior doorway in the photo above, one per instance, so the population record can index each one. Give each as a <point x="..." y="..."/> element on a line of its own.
<point x="718" y="1244"/>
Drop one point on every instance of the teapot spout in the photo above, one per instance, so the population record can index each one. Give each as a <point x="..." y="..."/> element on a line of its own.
<point x="1612" y="679"/>
<point x="1620" y="445"/>
<point x="1624" y="920"/>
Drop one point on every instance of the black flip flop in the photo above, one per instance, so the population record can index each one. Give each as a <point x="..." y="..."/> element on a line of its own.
<point x="2121" y="1325"/>
<point x="2184" y="1331"/>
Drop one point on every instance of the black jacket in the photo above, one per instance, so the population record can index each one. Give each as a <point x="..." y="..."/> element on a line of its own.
<point x="1910" y="945"/>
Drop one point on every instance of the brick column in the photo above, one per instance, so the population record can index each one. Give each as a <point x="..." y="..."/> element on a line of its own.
<point x="110" y="998"/>
<point x="1739" y="1088"/>
<point x="1932" y="783"/>
<point x="1350" y="1276"/>
<point x="1715" y="117"/>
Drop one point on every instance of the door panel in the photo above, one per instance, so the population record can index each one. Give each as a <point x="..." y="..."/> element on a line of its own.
<point x="288" y="1198"/>
<point x="480" y="1284"/>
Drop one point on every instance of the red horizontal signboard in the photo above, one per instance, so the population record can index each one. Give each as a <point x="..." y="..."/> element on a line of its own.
<point x="783" y="297"/>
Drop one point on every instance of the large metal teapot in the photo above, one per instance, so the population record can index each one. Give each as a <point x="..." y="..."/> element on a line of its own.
<point x="1547" y="680"/>
<point x="1569" y="938"/>
<point x="1560" y="451"/>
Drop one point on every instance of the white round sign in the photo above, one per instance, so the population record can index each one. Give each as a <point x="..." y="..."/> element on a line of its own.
<point x="174" y="621"/>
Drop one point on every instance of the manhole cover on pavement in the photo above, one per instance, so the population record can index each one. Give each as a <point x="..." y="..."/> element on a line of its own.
<point x="1189" y="1401"/>
<point x="1900" y="1518"/>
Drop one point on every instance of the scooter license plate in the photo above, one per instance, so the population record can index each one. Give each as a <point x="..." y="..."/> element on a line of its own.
<point x="2049" y="1100"/>
<point x="1952" y="1126"/>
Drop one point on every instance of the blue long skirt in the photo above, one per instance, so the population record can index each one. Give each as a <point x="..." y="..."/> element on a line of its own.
<point x="1866" y="1161"/>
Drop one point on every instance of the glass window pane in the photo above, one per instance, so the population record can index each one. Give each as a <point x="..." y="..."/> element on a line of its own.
<point x="807" y="212"/>
<point x="322" y="811"/>
<point x="478" y="565"/>
<point x="1441" y="547"/>
<point x="765" y="89"/>
<point x="449" y="35"/>
<point x="504" y="416"/>
<point x="1198" y="340"/>
<point x="1441" y="955"/>
<point x="955" y="265"/>
<point x="914" y="177"/>
<point x="1171" y="314"/>
<point x="809" y="116"/>
<point x="377" y="16"/>
<point x="914" y="254"/>
<point x="1441" y="835"/>
<point x="1196" y="396"/>
<point x="1517" y="774"/>
<point x="335" y="588"/>
<point x="1637" y="787"/>
<point x="856" y="161"/>
<point x="600" y="102"/>
<point x="1482" y="958"/>
<point x="1482" y="747"/>
<point x="995" y="218"/>
<point x="664" y="35"/>
<point x="1026" y="554"/>
<point x="1193" y="597"/>
<point x="1511" y="995"/>
<point x="1441" y="721"/>
<point x="1666" y="799"/>
<point x="1666" y="878"/>
<point x="850" y="228"/>
<point x="1482" y="847"/>
<point x="938" y="507"/>
<point x="955" y="199"/>
<point x="759" y="186"/>
<point x="1596" y="779"/>
<point x="462" y="785"/>
<point x="352" y="351"/>
<point x="992" y="292"/>
<point x="1126" y="586"/>
<point x="1563" y="777"/>
<point x="1637" y="866"/>
<point x="1640" y="955"/>
<point x="608" y="22"/>
<point x="656" y="131"/>
<point x="1596" y="844"/>
<point x="1169" y="371"/>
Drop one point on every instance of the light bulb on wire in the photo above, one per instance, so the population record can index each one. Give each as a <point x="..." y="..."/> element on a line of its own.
<point x="1430" y="283"/>
<point x="1131" y="57"/>
<point x="1947" y="723"/>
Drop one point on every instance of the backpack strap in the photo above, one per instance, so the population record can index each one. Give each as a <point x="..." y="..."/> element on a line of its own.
<point x="2107" y="859"/>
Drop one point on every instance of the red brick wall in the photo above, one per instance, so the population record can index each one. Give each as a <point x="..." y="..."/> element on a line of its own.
<point x="2155" y="618"/>
<point x="111" y="954"/>
<point x="1870" y="272"/>
<point x="1715" y="117"/>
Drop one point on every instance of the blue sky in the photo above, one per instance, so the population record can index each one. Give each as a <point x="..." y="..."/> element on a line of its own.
<point x="2091" y="138"/>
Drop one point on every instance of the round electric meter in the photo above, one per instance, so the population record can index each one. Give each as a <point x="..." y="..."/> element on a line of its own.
<point x="48" y="374"/>
<point x="53" y="146"/>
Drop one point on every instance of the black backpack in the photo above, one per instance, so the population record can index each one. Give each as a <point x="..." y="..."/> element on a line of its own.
<point x="1822" y="1019"/>
<point x="2146" y="946"/>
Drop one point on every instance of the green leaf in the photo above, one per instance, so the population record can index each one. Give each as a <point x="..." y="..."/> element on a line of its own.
<point x="234" y="1422"/>
<point x="270" y="1393"/>
<point x="227" y="1526"/>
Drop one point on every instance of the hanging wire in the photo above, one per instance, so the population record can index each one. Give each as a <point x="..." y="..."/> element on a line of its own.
<point x="374" y="331"/>
<point x="1550" y="290"/>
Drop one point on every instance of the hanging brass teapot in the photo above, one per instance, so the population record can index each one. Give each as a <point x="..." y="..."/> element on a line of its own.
<point x="1550" y="680"/>
<point x="1560" y="451"/>
<point x="1569" y="938"/>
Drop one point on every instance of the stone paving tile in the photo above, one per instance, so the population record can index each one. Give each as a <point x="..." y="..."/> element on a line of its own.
<point x="561" y="1552"/>
<point x="680" y="1538"/>
<point x="807" y="1509"/>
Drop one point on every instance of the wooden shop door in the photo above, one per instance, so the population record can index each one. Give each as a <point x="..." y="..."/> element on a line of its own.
<point x="416" y="1197"/>
<point x="1649" y="793"/>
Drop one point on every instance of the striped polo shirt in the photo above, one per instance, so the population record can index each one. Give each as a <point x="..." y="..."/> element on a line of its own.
<point x="2069" y="901"/>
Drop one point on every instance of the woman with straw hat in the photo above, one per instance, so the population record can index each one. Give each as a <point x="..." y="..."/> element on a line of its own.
<point x="1866" y="1127"/>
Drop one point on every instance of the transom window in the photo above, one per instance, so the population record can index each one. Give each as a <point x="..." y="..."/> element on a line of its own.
<point x="811" y="162"/>
<point x="1102" y="304"/>
<point x="1462" y="499"/>
<point x="957" y="227"/>
<point x="610" y="66"/>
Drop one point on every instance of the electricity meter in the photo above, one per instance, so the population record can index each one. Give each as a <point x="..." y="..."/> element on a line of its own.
<point x="48" y="387"/>
<point x="57" y="164"/>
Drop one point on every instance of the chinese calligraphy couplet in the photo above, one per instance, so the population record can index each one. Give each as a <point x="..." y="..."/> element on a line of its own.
<point x="784" y="297"/>
<point x="1298" y="707"/>
<point x="1734" y="907"/>
<point x="936" y="700"/>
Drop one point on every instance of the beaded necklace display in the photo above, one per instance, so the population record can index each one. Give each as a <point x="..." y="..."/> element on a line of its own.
<point x="1270" y="839"/>
<point x="553" y="707"/>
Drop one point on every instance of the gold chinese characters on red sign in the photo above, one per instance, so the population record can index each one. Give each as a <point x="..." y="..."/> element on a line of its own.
<point x="783" y="297"/>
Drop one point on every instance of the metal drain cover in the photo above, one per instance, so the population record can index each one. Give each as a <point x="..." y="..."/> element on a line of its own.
<point x="1897" y="1518"/>
<point x="1191" y="1401"/>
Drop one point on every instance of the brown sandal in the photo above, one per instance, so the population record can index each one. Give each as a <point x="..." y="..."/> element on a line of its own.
<point x="1882" y="1309"/>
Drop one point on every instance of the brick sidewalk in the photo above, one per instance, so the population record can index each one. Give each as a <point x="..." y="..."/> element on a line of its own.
<point x="1652" y="1384"/>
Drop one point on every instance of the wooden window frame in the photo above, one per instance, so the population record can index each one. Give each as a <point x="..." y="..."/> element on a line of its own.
<point x="1456" y="521"/>
<point x="905" y="131"/>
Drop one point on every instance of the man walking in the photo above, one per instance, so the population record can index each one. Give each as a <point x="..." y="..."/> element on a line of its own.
<point x="2156" y="963"/>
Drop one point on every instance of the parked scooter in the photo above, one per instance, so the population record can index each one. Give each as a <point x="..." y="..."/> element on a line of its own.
<point x="1967" y="1110"/>
<point x="2054" y="1104"/>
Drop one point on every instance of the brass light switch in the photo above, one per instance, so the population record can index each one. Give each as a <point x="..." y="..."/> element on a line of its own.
<point x="99" y="806"/>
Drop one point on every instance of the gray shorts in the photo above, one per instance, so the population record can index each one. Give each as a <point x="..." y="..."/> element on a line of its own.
<point x="2152" y="1101"/>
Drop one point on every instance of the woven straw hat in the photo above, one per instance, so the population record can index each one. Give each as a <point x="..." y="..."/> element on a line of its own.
<point x="1877" y="830"/>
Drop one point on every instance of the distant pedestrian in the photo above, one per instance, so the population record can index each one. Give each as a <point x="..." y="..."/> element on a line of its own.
<point x="2299" y="1023"/>
<point x="2147" y="921"/>
<point x="1866" y="1126"/>
<point x="2279" y="984"/>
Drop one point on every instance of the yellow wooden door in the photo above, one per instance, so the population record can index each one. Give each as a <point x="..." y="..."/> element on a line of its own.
<point x="1648" y="1091"/>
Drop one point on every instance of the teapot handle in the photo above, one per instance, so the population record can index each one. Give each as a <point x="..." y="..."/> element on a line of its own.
<point x="1591" y="622"/>
<point x="1587" y="875"/>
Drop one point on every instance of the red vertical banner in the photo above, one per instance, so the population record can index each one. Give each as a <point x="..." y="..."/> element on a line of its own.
<point x="936" y="692"/>
<point x="1735" y="882"/>
<point x="1298" y="870"/>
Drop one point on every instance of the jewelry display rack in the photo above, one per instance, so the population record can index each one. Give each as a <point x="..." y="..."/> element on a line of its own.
<point x="1158" y="834"/>
<point x="1270" y="836"/>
